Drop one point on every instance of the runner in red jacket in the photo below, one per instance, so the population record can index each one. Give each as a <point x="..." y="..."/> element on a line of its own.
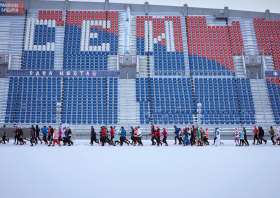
<point x="104" y="135"/>
<point x="112" y="133"/>
<point x="153" y="134"/>
<point x="158" y="137"/>
<point x="164" y="133"/>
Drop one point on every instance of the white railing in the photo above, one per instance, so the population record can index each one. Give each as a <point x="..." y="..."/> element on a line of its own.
<point x="262" y="99"/>
<point x="244" y="66"/>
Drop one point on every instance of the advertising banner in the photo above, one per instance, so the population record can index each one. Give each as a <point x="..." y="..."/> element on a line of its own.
<point x="11" y="7"/>
<point x="62" y="73"/>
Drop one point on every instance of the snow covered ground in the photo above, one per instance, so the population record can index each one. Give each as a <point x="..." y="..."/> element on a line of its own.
<point x="144" y="172"/>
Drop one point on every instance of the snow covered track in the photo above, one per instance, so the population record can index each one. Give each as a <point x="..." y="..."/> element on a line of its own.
<point x="144" y="172"/>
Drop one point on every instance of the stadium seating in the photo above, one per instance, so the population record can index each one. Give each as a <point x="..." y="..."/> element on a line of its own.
<point x="161" y="37"/>
<point x="33" y="100"/>
<point x="209" y="48"/>
<point x="40" y="40"/>
<point x="237" y="45"/>
<point x="225" y="100"/>
<point x="273" y="86"/>
<point x="90" y="36"/>
<point x="171" y="100"/>
<point x="85" y="101"/>
<point x="268" y="37"/>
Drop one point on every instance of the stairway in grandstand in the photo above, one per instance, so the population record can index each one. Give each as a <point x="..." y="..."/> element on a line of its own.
<point x="249" y="37"/>
<point x="128" y="107"/>
<point x="264" y="113"/>
<point x="4" y="84"/>
<point x="239" y="66"/>
<point x="11" y="38"/>
<point x="268" y="63"/>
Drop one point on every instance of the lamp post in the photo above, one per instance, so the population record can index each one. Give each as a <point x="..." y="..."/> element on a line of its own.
<point x="198" y="110"/>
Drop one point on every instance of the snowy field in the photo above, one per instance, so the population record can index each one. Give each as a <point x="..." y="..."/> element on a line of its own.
<point x="140" y="172"/>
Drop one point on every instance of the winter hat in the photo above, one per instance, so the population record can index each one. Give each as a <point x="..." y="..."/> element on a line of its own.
<point x="157" y="127"/>
<point x="235" y="128"/>
<point x="163" y="128"/>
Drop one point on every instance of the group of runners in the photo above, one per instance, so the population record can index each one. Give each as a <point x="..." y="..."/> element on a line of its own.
<point x="193" y="136"/>
<point x="51" y="136"/>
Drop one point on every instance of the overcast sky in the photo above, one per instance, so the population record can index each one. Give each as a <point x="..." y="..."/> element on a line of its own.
<point x="249" y="5"/>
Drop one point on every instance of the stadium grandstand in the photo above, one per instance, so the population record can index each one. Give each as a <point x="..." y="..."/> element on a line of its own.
<point x="82" y="64"/>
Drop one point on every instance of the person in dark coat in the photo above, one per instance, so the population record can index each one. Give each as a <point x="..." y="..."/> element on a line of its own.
<point x="32" y="135"/>
<point x="50" y="138"/>
<point x="93" y="136"/>
<point x="177" y="133"/>
<point x="70" y="142"/>
<point x="192" y="136"/>
<point x="37" y="134"/>
<point x="20" y="133"/>
<point x="261" y="134"/>
<point x="16" y="135"/>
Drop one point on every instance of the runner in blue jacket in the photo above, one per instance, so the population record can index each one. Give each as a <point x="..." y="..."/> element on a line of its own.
<point x="177" y="133"/>
<point x="123" y="139"/>
<point x="45" y="133"/>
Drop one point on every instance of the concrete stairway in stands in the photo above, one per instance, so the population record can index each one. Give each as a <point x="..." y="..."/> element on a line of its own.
<point x="4" y="84"/>
<point x="127" y="103"/>
<point x="238" y="66"/>
<point x="264" y="114"/>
